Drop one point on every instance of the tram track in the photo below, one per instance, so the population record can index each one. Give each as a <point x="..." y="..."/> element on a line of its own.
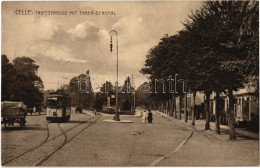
<point x="43" y="142"/>
<point x="48" y="140"/>
<point x="66" y="140"/>
<point x="82" y="122"/>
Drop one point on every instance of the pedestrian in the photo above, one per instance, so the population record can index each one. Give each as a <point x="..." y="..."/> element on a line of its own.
<point x="150" y="116"/>
<point x="144" y="117"/>
<point x="34" y="109"/>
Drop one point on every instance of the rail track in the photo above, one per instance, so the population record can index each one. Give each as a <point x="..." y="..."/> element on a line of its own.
<point x="66" y="140"/>
<point x="48" y="156"/>
<point x="48" y="141"/>
<point x="43" y="142"/>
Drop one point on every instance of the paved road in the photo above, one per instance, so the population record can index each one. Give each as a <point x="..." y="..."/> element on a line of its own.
<point x="89" y="141"/>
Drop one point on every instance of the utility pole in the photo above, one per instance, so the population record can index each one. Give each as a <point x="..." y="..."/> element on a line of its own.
<point x="134" y="93"/>
<point x="116" y="117"/>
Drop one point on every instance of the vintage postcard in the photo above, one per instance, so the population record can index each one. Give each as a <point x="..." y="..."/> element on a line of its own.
<point x="129" y="83"/>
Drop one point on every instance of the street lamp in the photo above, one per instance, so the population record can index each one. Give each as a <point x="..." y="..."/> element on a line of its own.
<point x="116" y="117"/>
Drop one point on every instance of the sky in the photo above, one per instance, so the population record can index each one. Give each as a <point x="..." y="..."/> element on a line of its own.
<point x="65" y="46"/>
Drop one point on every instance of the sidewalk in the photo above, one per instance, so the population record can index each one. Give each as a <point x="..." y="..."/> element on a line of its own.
<point x="138" y="113"/>
<point x="207" y="148"/>
<point x="200" y="125"/>
<point x="88" y="112"/>
<point x="238" y="130"/>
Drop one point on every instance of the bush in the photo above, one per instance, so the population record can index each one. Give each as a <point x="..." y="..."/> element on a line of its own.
<point x="126" y="105"/>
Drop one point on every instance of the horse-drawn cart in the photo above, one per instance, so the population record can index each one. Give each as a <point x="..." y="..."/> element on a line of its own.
<point x="13" y="112"/>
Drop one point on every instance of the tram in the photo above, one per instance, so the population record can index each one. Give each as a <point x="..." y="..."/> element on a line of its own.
<point x="58" y="107"/>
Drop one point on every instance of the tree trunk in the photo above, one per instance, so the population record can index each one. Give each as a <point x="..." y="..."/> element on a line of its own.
<point x="171" y="107"/>
<point x="180" y="102"/>
<point x="193" y="109"/>
<point x="217" y="113"/>
<point x="164" y="107"/>
<point x="207" y="125"/>
<point x="161" y="107"/>
<point x="175" y="110"/>
<point x="231" y="115"/>
<point x="185" y="108"/>
<point x="154" y="107"/>
<point x="167" y="106"/>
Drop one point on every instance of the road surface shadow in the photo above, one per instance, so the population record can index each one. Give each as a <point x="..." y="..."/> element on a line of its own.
<point x="75" y="121"/>
<point x="18" y="128"/>
<point x="239" y="136"/>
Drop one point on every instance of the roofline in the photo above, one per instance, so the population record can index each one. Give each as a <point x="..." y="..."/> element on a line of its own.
<point x="58" y="95"/>
<point x="236" y="95"/>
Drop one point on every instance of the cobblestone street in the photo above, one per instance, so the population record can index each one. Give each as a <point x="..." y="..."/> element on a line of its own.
<point x="89" y="141"/>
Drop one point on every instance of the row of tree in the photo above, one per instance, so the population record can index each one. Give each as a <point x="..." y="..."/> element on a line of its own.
<point x="87" y="99"/>
<point x="20" y="81"/>
<point x="217" y="51"/>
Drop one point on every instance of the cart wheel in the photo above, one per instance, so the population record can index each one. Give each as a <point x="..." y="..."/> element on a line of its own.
<point x="22" y="123"/>
<point x="68" y="119"/>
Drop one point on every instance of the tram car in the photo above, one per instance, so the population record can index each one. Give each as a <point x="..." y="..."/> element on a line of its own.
<point x="58" y="107"/>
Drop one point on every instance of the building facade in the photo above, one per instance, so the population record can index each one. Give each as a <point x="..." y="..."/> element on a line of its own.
<point x="246" y="104"/>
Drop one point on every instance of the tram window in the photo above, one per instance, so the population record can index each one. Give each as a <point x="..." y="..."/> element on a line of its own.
<point x="52" y="101"/>
<point x="63" y="101"/>
<point x="68" y="102"/>
<point x="58" y="102"/>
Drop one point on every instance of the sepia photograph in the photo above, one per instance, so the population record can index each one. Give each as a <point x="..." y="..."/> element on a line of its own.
<point x="129" y="83"/>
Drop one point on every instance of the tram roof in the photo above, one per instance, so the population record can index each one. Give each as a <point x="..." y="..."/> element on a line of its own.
<point x="54" y="94"/>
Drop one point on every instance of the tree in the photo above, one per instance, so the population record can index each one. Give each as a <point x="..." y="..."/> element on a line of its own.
<point x="8" y="78"/>
<point x="107" y="87"/>
<point x="220" y="27"/>
<point x="20" y="80"/>
<point x="163" y="61"/>
<point x="212" y="54"/>
<point x="80" y="90"/>
<point x="143" y="97"/>
<point x="107" y="90"/>
<point x="98" y="101"/>
<point x="26" y="68"/>
<point x="125" y="95"/>
<point x="126" y="105"/>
